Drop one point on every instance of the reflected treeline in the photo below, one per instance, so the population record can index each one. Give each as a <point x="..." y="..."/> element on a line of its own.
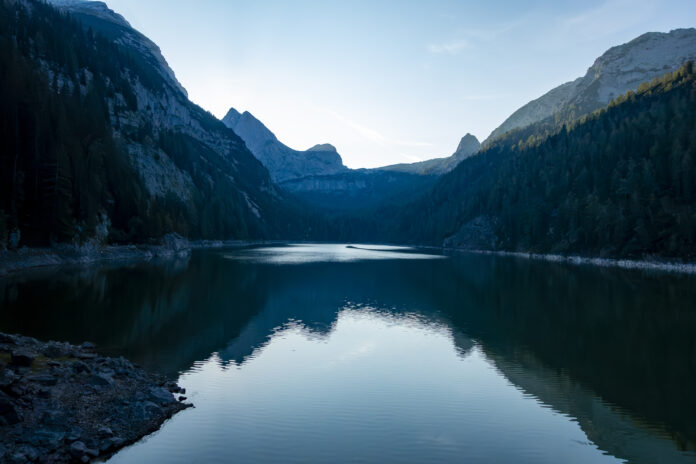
<point x="616" y="349"/>
<point x="163" y="315"/>
<point x="626" y="336"/>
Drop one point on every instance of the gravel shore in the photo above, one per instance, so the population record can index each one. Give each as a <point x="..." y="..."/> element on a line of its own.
<point x="644" y="265"/>
<point x="61" y="403"/>
<point x="172" y="246"/>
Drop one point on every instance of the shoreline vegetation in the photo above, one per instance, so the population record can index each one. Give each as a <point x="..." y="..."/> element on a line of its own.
<point x="63" y="403"/>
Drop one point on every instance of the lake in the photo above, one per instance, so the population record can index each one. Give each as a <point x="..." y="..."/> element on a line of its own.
<point x="342" y="354"/>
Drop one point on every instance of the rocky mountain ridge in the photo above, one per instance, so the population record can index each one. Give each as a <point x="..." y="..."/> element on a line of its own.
<point x="618" y="70"/>
<point x="319" y="177"/>
<point x="121" y="31"/>
<point x="282" y="162"/>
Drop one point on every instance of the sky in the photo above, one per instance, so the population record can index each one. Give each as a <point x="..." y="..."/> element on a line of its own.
<point x="387" y="81"/>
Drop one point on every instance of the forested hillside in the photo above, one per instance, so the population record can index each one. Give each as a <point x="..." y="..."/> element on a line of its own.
<point x="97" y="144"/>
<point x="618" y="183"/>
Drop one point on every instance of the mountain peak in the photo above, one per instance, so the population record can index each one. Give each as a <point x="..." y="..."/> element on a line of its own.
<point x="467" y="147"/>
<point x="323" y="147"/>
<point x="231" y="118"/>
<point x="282" y="162"/>
<point x="251" y="130"/>
<point x="98" y="16"/>
<point x="94" y="8"/>
<point x="469" y="142"/>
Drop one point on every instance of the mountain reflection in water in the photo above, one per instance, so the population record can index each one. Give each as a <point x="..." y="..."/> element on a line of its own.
<point x="612" y="350"/>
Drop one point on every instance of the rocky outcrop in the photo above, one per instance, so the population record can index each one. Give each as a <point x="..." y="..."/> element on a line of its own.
<point x="617" y="71"/>
<point x="117" y="28"/>
<point x="477" y="234"/>
<point x="324" y="147"/>
<point x="282" y="162"/>
<point x="62" y="403"/>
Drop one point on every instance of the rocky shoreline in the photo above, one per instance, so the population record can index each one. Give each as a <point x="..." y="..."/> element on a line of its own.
<point x="61" y="403"/>
<point x="642" y="265"/>
<point x="24" y="258"/>
<point x="12" y="261"/>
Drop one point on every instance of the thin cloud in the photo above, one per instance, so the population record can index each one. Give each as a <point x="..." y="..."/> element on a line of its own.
<point x="376" y="136"/>
<point x="480" y="97"/>
<point x="411" y="158"/>
<point x="450" y="48"/>
<point x="601" y="20"/>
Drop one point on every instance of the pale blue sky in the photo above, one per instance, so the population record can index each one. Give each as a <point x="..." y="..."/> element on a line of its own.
<point x="387" y="81"/>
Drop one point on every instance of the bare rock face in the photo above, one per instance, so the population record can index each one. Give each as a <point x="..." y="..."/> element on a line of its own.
<point x="324" y="147"/>
<point x="282" y="162"/>
<point x="617" y="71"/>
<point x="477" y="234"/>
<point x="123" y="33"/>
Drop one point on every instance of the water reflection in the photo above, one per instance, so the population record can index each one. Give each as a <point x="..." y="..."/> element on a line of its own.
<point x="316" y="253"/>
<point x="614" y="350"/>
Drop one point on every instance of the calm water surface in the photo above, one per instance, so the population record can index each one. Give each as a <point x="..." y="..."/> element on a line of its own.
<point x="336" y="353"/>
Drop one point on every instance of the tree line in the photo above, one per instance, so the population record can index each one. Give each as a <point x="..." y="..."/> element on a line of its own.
<point x="620" y="182"/>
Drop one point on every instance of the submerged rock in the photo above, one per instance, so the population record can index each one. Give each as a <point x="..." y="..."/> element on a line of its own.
<point x="79" y="408"/>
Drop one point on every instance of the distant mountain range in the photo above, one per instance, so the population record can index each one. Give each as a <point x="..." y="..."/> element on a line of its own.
<point x="286" y="164"/>
<point x="318" y="176"/>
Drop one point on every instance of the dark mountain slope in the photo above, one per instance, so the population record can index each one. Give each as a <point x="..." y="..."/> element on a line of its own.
<point x="100" y="142"/>
<point x="358" y="189"/>
<point x="620" y="183"/>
